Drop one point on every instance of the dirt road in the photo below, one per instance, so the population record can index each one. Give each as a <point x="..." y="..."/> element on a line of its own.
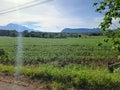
<point x="8" y="86"/>
<point x="8" y="83"/>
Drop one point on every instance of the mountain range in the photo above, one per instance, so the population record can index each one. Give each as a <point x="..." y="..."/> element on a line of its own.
<point x="18" y="27"/>
<point x="81" y="30"/>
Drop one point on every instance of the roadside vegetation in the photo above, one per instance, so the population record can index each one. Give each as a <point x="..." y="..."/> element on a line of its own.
<point x="70" y="77"/>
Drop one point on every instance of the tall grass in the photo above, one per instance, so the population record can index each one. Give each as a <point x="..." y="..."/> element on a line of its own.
<point x="71" y="76"/>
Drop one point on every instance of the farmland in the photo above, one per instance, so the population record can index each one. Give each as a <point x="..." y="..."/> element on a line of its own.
<point x="36" y="50"/>
<point x="67" y="63"/>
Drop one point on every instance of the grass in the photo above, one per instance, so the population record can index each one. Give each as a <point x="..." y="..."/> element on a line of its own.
<point x="77" y="50"/>
<point x="71" y="76"/>
<point x="63" y="64"/>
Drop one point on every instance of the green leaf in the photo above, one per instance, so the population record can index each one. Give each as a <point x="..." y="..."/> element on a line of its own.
<point x="95" y="4"/>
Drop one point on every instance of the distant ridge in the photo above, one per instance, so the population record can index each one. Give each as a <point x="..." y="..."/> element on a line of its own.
<point x="81" y="30"/>
<point x="17" y="27"/>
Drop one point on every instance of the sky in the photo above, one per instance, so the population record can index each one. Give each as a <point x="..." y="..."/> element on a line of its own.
<point x="52" y="16"/>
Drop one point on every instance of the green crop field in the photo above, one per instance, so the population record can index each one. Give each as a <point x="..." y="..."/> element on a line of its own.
<point x="69" y="63"/>
<point x="37" y="50"/>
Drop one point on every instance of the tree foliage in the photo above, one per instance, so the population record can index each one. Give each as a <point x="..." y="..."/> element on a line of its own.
<point x="12" y="33"/>
<point x="111" y="11"/>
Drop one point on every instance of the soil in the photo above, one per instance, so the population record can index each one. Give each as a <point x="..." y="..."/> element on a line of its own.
<point x="8" y="83"/>
<point x="10" y="86"/>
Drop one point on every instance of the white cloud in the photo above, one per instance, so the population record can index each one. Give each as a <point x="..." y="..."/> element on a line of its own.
<point x="17" y="1"/>
<point x="57" y="24"/>
<point x="98" y="19"/>
<point x="47" y="16"/>
<point x="115" y="23"/>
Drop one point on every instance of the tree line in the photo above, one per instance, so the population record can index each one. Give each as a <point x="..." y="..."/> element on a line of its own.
<point x="26" y="33"/>
<point x="12" y="33"/>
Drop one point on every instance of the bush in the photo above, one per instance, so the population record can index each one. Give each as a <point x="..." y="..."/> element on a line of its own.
<point x="2" y="52"/>
<point x="3" y="56"/>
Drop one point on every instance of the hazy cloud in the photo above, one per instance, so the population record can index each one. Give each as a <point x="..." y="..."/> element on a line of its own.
<point x="52" y="16"/>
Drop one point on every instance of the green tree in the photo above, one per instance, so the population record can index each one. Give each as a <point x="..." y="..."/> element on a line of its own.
<point x="25" y="33"/>
<point x="111" y="11"/>
<point x="13" y="33"/>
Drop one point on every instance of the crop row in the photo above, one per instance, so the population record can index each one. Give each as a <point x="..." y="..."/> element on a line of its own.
<point x="71" y="50"/>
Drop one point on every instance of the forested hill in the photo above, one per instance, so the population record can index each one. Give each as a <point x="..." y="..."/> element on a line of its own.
<point x="81" y="30"/>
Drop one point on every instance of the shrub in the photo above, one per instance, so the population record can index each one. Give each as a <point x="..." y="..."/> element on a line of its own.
<point x="3" y="56"/>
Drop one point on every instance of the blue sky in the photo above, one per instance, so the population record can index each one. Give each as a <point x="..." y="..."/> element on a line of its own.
<point x="53" y="16"/>
<point x="77" y="8"/>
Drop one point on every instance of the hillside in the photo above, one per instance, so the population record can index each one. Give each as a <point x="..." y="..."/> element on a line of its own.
<point x="80" y="30"/>
<point x="17" y="27"/>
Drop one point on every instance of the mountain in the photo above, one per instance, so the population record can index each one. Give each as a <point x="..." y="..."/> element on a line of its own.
<point x="17" y="27"/>
<point x="80" y="30"/>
